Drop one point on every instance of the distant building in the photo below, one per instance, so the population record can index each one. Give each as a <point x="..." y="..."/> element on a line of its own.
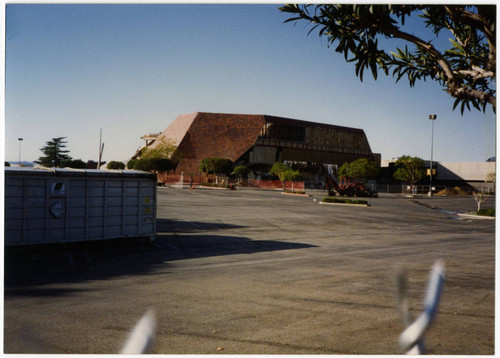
<point x="451" y="173"/>
<point x="262" y="140"/>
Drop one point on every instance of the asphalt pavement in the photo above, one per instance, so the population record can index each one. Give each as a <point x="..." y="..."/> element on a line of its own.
<point x="258" y="272"/>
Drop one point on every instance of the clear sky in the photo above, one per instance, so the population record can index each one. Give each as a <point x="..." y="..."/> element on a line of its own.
<point x="132" y="69"/>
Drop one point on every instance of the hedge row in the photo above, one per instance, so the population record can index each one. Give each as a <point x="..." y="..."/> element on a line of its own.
<point x="331" y="199"/>
<point x="486" y="212"/>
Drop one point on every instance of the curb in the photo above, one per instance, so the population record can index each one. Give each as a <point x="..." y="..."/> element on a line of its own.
<point x="343" y="204"/>
<point x="306" y="195"/>
<point x="481" y="217"/>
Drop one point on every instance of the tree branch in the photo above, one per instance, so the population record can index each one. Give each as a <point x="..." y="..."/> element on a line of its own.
<point x="451" y="80"/>
<point x="479" y="22"/>
<point x="477" y="73"/>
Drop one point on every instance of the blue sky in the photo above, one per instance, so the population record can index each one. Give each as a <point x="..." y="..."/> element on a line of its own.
<point x="131" y="69"/>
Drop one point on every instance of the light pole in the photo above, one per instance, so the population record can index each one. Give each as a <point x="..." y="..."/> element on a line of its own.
<point x="432" y="117"/>
<point x="20" y="140"/>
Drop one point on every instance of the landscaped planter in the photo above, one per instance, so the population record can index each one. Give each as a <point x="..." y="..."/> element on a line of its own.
<point x="472" y="216"/>
<point x="295" y="193"/>
<point x="215" y="186"/>
<point x="338" y="201"/>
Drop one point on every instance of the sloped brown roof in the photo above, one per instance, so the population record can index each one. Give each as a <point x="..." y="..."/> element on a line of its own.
<point x="218" y="135"/>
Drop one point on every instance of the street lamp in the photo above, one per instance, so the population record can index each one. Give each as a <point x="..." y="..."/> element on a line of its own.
<point x="20" y="140"/>
<point x="432" y="117"/>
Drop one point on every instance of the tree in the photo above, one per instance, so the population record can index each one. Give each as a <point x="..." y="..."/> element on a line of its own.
<point x="279" y="169"/>
<point x="490" y="178"/>
<point x="241" y="171"/>
<point x="480" y="197"/>
<point x="409" y="169"/>
<point x="291" y="175"/>
<point x="131" y="163"/>
<point x="115" y="165"/>
<point x="217" y="166"/>
<point x="164" y="148"/>
<point x="54" y="153"/>
<point x="361" y="168"/>
<point x="466" y="70"/>
<point x="74" y="163"/>
<point x="154" y="165"/>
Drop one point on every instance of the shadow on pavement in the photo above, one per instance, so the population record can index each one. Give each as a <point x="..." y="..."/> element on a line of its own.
<point x="183" y="226"/>
<point x="36" y="265"/>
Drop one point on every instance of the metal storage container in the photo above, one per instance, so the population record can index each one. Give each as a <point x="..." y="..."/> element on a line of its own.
<point x="47" y="205"/>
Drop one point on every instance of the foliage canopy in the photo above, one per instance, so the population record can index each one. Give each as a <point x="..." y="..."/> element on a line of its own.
<point x="409" y="169"/>
<point x="361" y="168"/>
<point x="466" y="70"/>
<point x="285" y="173"/>
<point x="241" y="171"/>
<point x="115" y="165"/>
<point x="217" y="166"/>
<point x="154" y="164"/>
<point x="55" y="154"/>
<point x="74" y="163"/>
<point x="163" y="148"/>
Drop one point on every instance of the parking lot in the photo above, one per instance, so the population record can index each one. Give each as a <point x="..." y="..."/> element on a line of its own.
<point x="258" y="272"/>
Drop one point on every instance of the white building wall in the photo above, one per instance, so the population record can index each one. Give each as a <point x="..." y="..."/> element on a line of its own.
<point x="468" y="171"/>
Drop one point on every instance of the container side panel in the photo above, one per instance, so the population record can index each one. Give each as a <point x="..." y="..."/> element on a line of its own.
<point x="13" y="202"/>
<point x="76" y="212"/>
<point x="35" y="202"/>
<point x="12" y="189"/>
<point x="36" y="183"/>
<point x="76" y="234"/>
<point x="97" y="221"/>
<point x="114" y="201"/>
<point x="113" y="231"/>
<point x="35" y="224"/>
<point x="56" y="235"/>
<point x="35" y="236"/>
<point x="13" y="213"/>
<point x="77" y="202"/>
<point x="95" y="232"/>
<point x="57" y="224"/>
<point x="113" y="220"/>
<point x="114" y="210"/>
<point x="96" y="211"/>
<point x="35" y="212"/>
<point x="131" y="211"/>
<point x="14" y="224"/>
<point x="13" y="237"/>
<point x="131" y="230"/>
<point x="147" y="229"/>
<point x="76" y="222"/>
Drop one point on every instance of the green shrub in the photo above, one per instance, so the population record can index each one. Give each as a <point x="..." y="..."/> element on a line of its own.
<point x="331" y="199"/>
<point x="486" y="212"/>
<point x="131" y="163"/>
<point x="214" y="185"/>
<point x="154" y="164"/>
<point x="115" y="165"/>
<point x="74" y="163"/>
<point x="293" y="191"/>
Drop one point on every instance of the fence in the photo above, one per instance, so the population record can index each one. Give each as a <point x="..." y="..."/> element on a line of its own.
<point x="186" y="180"/>
<point x="437" y="189"/>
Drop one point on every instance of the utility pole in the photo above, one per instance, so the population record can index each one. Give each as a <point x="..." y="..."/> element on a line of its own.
<point x="101" y="149"/>
<point x="432" y="117"/>
<point x="20" y="140"/>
